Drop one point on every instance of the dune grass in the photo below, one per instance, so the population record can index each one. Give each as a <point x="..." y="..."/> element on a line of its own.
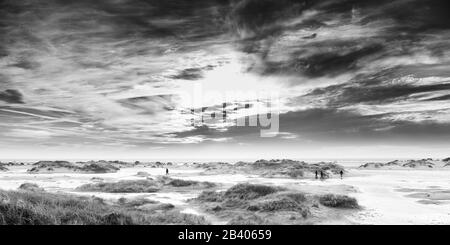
<point x="338" y="201"/>
<point x="249" y="220"/>
<point x="41" y="208"/>
<point x="124" y="186"/>
<point x="142" y="186"/>
<point x="99" y="167"/>
<point x="210" y="196"/>
<point x="183" y="183"/>
<point x="249" y="191"/>
<point x="249" y="203"/>
<point x="30" y="187"/>
<point x="135" y="202"/>
<point x="261" y="204"/>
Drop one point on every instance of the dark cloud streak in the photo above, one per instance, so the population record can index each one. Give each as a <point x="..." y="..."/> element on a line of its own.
<point x="11" y="96"/>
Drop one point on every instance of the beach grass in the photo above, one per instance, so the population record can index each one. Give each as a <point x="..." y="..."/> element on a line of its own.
<point x="338" y="201"/>
<point x="42" y="208"/>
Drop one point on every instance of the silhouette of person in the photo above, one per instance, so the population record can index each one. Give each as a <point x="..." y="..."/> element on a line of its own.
<point x="316" y="174"/>
<point x="167" y="171"/>
<point x="321" y="174"/>
<point x="342" y="173"/>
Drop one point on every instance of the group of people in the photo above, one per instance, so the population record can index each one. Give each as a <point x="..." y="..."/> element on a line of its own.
<point x="322" y="174"/>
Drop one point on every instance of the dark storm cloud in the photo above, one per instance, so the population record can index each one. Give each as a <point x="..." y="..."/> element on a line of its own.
<point x="333" y="125"/>
<point x="440" y="98"/>
<point x="201" y="130"/>
<point x="165" y="97"/>
<point x="189" y="74"/>
<point x="260" y="23"/>
<point x="413" y="16"/>
<point x="313" y="121"/>
<point x="160" y="18"/>
<point x="192" y="73"/>
<point x="338" y="125"/>
<point x="128" y="19"/>
<point x="254" y="15"/>
<point x="324" y="64"/>
<point x="26" y="64"/>
<point x="3" y="52"/>
<point x="150" y="104"/>
<point x="11" y="96"/>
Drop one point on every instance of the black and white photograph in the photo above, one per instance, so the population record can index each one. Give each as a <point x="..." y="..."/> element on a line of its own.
<point x="224" y="113"/>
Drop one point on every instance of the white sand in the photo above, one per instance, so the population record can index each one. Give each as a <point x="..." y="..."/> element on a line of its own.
<point x="385" y="205"/>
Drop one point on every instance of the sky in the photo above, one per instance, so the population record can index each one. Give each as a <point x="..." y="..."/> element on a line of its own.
<point x="124" y="79"/>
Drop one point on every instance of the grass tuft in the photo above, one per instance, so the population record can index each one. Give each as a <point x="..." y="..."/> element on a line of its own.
<point x="142" y="186"/>
<point x="124" y="186"/>
<point x="249" y="191"/>
<point x="338" y="201"/>
<point x="30" y="187"/>
<point x="31" y="208"/>
<point x="210" y="196"/>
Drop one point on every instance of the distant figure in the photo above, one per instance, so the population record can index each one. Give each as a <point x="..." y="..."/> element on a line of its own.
<point x="316" y="174"/>
<point x="342" y="173"/>
<point x="167" y="171"/>
<point x="321" y="175"/>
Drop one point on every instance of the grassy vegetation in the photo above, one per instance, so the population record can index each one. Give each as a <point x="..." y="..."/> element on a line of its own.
<point x="124" y="186"/>
<point x="249" y="220"/>
<point x="31" y="208"/>
<point x="135" y="202"/>
<point x="98" y="168"/>
<point x="276" y="168"/>
<point x="142" y="186"/>
<point x="243" y="193"/>
<point x="338" y="201"/>
<point x="281" y="204"/>
<point x="142" y="174"/>
<point x="181" y="183"/>
<point x="296" y="173"/>
<point x="259" y="204"/>
<point x="30" y="187"/>
<point x="167" y="181"/>
<point x="184" y="183"/>
<point x="210" y="196"/>
<point x="296" y="196"/>
<point x="296" y="202"/>
<point x="250" y="204"/>
<point x="93" y="167"/>
<point x="249" y="191"/>
<point x="292" y="168"/>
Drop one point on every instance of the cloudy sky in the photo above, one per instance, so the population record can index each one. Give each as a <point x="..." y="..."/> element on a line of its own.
<point x="113" y="78"/>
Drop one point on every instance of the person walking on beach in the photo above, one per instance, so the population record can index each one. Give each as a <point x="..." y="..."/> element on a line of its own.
<point x="342" y="173"/>
<point x="167" y="171"/>
<point x="321" y="175"/>
<point x="316" y="174"/>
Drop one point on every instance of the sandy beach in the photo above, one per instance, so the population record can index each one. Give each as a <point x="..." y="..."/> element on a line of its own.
<point x="410" y="197"/>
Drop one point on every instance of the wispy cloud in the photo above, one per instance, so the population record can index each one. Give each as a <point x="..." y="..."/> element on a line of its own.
<point x="113" y="72"/>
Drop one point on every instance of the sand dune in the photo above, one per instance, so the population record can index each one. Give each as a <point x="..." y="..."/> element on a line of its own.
<point x="384" y="196"/>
